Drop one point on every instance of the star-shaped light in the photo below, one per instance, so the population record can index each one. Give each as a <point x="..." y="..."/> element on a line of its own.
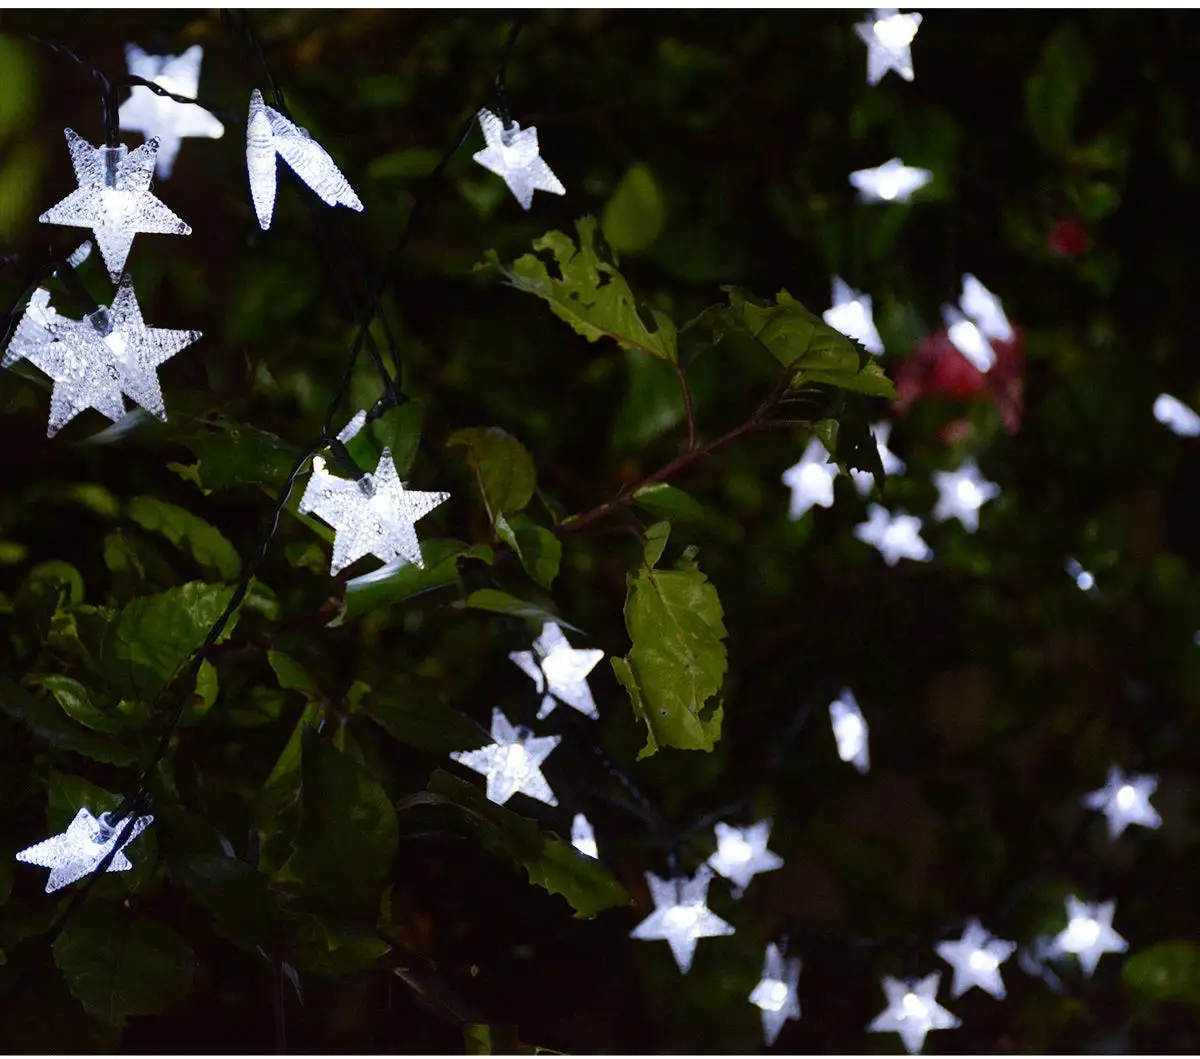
<point x="892" y="464"/>
<point x="775" y="994"/>
<point x="888" y="36"/>
<point x="742" y="853"/>
<point x="1089" y="933"/>
<point x="680" y="915"/>
<point x="895" y="537"/>
<point x="982" y="306"/>
<point x="375" y="515"/>
<point x="113" y="198"/>
<point x="968" y="339"/>
<point x="559" y="671"/>
<point x="269" y="133"/>
<point x="851" y="315"/>
<point x="79" y="850"/>
<point x="976" y="958"/>
<point x="1084" y="581"/>
<point x="810" y="480"/>
<point x="913" y="1011"/>
<point x="512" y="763"/>
<point x="1177" y="417"/>
<point x="961" y="493"/>
<point x="512" y="153"/>
<point x="850" y="730"/>
<point x="95" y="361"/>
<point x="154" y="115"/>
<point x="1125" y="800"/>
<point x="891" y="182"/>
<point x="583" y="838"/>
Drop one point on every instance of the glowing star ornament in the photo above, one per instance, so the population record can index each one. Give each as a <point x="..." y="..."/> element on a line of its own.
<point x="375" y="515"/>
<point x="982" y="306"/>
<point x="680" y="915"/>
<point x="512" y="153"/>
<point x="113" y="198"/>
<point x="888" y="36"/>
<point x="892" y="464"/>
<point x="895" y="537"/>
<point x="962" y="493"/>
<point x="79" y="850"/>
<point x="976" y="958"/>
<point x="851" y="315"/>
<point x="742" y="853"/>
<point x="891" y="182"/>
<point x="1084" y="581"/>
<point x="775" y="994"/>
<point x="512" y="764"/>
<point x="968" y="339"/>
<point x="850" y="731"/>
<point x="269" y="133"/>
<point x="98" y="361"/>
<point x="583" y="838"/>
<point x="913" y="1011"/>
<point x="1176" y="416"/>
<point x="810" y="480"/>
<point x="1089" y="933"/>
<point x="161" y="117"/>
<point x="1125" y="800"/>
<point x="559" y="671"/>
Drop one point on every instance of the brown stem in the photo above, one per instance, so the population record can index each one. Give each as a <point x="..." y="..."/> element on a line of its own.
<point x="686" y="390"/>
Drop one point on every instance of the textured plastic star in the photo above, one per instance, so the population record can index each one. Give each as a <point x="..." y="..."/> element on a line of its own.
<point x="982" y="306"/>
<point x="583" y="838"/>
<point x="888" y="36"/>
<point x="850" y="730"/>
<point x="895" y="537"/>
<point x="962" y="493"/>
<point x="851" y="315"/>
<point x="775" y="993"/>
<point x="1125" y="800"/>
<point x="513" y="762"/>
<point x="79" y="850"/>
<point x="742" y="853"/>
<point x="892" y="464"/>
<point x="160" y="117"/>
<point x="113" y="198"/>
<point x="1089" y="933"/>
<point x="681" y="915"/>
<point x="976" y="958"/>
<point x="913" y="1011"/>
<point x="891" y="182"/>
<point x="512" y="153"/>
<point x="559" y="671"/>
<point x="810" y="480"/>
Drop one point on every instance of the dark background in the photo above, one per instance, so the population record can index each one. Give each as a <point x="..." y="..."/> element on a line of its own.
<point x="1063" y="146"/>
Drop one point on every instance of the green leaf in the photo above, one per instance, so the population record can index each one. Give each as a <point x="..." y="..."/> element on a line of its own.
<point x="539" y="550"/>
<point x="293" y="676"/>
<point x="204" y="696"/>
<point x="206" y="543"/>
<point x="667" y="502"/>
<point x="118" y="963"/>
<point x="678" y="659"/>
<point x="414" y="715"/>
<point x="502" y="466"/>
<point x="52" y="727"/>
<point x="502" y="603"/>
<point x="404" y="164"/>
<point x="319" y="947"/>
<point x="587" y="291"/>
<point x="398" y="429"/>
<point x="551" y="863"/>
<point x="653" y="404"/>
<point x="236" y="896"/>
<point x="1053" y="90"/>
<point x="1169" y="970"/>
<point x="633" y="216"/>
<point x="237" y="454"/>
<point x="481" y="1038"/>
<point x="77" y="703"/>
<point x="857" y="449"/>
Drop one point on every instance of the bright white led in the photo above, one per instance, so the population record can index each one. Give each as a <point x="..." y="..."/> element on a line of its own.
<point x="775" y="995"/>
<point x="850" y="731"/>
<point x="559" y="671"/>
<point x="962" y="493"/>
<point x="79" y="850"/>
<point x="976" y="958"/>
<point x="913" y="1011"/>
<point x="851" y="315"/>
<point x="888" y="36"/>
<point x="810" y="480"/>
<point x="891" y="182"/>
<point x="968" y="339"/>
<point x="892" y="464"/>
<point x="742" y="853"/>
<point x="984" y="308"/>
<point x="1125" y="800"/>
<point x="1089" y="933"/>
<point x="583" y="838"/>
<point x="681" y="915"/>
<point x="512" y="763"/>
<point x="1176" y="416"/>
<point x="895" y="537"/>
<point x="513" y="154"/>
<point x="1084" y="581"/>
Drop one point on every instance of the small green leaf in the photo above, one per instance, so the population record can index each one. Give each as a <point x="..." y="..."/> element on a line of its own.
<point x="319" y="947"/>
<point x="539" y="550"/>
<point x="1053" y="90"/>
<point x="633" y="216"/>
<point x="293" y="676"/>
<point x="233" y="453"/>
<point x="1169" y="970"/>
<point x="414" y="715"/>
<point x="502" y="603"/>
<point x="481" y="1038"/>
<point x="206" y="543"/>
<point x="502" y="466"/>
<point x="398" y="429"/>
<point x="49" y="724"/>
<point x="236" y="896"/>
<point x="857" y="449"/>
<point x="204" y="696"/>
<point x="77" y="703"/>
<point x="652" y="406"/>
<point x="667" y="502"/>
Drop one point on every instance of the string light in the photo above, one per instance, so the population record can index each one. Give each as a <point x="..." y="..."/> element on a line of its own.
<point x="962" y="493"/>
<point x="79" y="850"/>
<point x="891" y="182"/>
<point x="512" y="154"/>
<point x="775" y="995"/>
<point x="1084" y="581"/>
<point x="810" y="480"/>
<point x="982" y="306"/>
<point x="913" y="1011"/>
<point x="892" y="464"/>
<point x="1089" y="933"/>
<point x="559" y="671"/>
<point x="851" y="315"/>
<point x="1177" y="417"/>
<point x="976" y="958"/>
<point x="895" y="537"/>
<point x="583" y="838"/>
<point x="850" y="731"/>
<point x="742" y="853"/>
<point x="512" y="763"/>
<point x="968" y="339"/>
<point x="681" y="915"/>
<point x="888" y="36"/>
<point x="1125" y="800"/>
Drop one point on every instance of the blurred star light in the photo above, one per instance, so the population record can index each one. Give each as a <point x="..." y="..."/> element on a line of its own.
<point x="512" y="153"/>
<point x="681" y="915"/>
<point x="1125" y="800"/>
<point x="891" y="182"/>
<point x="851" y="315"/>
<point x="810" y="480"/>
<point x="895" y="537"/>
<point x="850" y="730"/>
<point x="892" y="464"/>
<point x="982" y="306"/>
<point x="968" y="339"/>
<point x="962" y="493"/>
<point x="512" y="763"/>
<point x="888" y="36"/>
<point x="583" y="838"/>
<point x="913" y="1011"/>
<point x="113" y="198"/>
<point x="976" y="958"/>
<point x="742" y="853"/>
<point x="1089" y="933"/>
<point x="775" y="995"/>
<point x="559" y="671"/>
<point x="1177" y="417"/>
<point x="79" y="850"/>
<point x="159" y="116"/>
<point x="1084" y="581"/>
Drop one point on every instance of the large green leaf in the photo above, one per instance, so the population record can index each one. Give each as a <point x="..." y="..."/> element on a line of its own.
<point x="633" y="216"/>
<point x="233" y="453"/>
<point x="49" y="724"/>
<point x="678" y="659"/>
<point x="587" y="291"/>
<point x="539" y="550"/>
<point x="292" y="675"/>
<point x="667" y="502"/>
<point x="237" y="897"/>
<point x="502" y="603"/>
<point x="1169" y="970"/>
<point x="76" y="701"/>
<point x="502" y="466"/>
<point x="321" y="947"/>
<point x="414" y="715"/>
<point x="206" y="543"/>
<point x="398" y="429"/>
<point x="553" y="864"/>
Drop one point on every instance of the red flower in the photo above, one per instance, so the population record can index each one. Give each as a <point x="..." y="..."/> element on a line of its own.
<point x="1068" y="238"/>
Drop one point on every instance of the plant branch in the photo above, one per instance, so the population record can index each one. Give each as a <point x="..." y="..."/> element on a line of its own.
<point x="688" y="410"/>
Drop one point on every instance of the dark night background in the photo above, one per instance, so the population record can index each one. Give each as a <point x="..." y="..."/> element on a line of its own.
<point x="714" y="146"/>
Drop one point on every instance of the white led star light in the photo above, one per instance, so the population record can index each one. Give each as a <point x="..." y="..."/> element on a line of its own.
<point x="851" y="315"/>
<point x="583" y="838"/>
<point x="810" y="480"/>
<point x="962" y="493"/>
<point x="375" y="515"/>
<point x="1084" y="581"/>
<point x="888" y="36"/>
<point x="1089" y="933"/>
<point x="1125" y="800"/>
<point x="113" y="198"/>
<point x="982" y="306"/>
<point x="95" y="361"/>
<point x="79" y="850"/>
<point x="968" y="339"/>
<point x="895" y="537"/>
<point x="891" y="182"/>
<point x="742" y="853"/>
<point x="913" y="1011"/>
<point x="513" y="762"/>
<point x="850" y="730"/>
<point x="559" y="671"/>
<point x="513" y="154"/>
<point x="976" y="958"/>
<point x="1177" y="417"/>
<point x="680" y="915"/>
<point x="775" y="994"/>
<point x="892" y="464"/>
<point x="158" y="116"/>
<point x="269" y="133"/>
